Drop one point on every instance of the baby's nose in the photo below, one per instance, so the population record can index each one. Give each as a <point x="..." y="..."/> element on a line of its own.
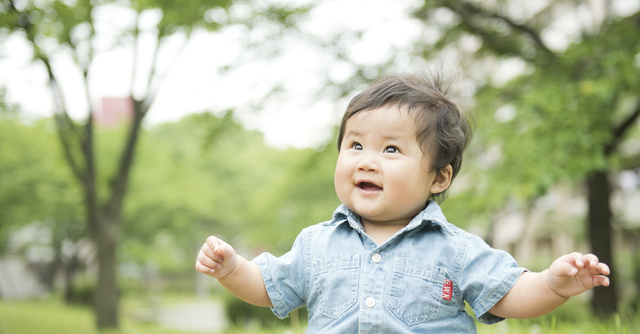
<point x="368" y="164"/>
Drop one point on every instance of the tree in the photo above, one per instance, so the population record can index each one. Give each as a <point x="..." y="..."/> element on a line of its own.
<point x="569" y="111"/>
<point x="60" y="30"/>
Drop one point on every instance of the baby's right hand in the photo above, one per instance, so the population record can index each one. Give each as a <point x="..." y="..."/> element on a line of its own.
<point x="216" y="258"/>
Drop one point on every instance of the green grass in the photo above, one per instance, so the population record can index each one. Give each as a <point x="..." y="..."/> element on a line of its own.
<point x="552" y="326"/>
<point x="54" y="317"/>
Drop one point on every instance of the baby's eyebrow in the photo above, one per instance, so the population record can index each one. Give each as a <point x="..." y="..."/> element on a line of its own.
<point x="353" y="133"/>
<point x="398" y="138"/>
<point x="390" y="137"/>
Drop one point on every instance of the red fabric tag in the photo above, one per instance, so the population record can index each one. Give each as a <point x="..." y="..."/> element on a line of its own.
<point x="447" y="289"/>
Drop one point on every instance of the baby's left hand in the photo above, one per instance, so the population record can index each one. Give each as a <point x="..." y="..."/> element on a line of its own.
<point x="575" y="273"/>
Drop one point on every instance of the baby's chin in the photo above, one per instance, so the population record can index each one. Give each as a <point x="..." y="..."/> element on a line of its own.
<point x="384" y="220"/>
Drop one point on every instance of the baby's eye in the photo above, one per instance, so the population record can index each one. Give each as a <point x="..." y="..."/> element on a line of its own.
<point x="391" y="149"/>
<point x="357" y="146"/>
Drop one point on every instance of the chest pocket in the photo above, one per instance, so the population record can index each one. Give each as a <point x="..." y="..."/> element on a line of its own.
<point x="416" y="290"/>
<point x="336" y="279"/>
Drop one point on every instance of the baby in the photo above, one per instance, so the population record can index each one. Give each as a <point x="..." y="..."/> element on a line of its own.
<point x="388" y="261"/>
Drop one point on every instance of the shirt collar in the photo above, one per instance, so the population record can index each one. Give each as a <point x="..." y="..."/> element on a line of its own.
<point x="431" y="215"/>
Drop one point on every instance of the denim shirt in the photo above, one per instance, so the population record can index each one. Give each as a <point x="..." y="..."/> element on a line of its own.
<point x="416" y="282"/>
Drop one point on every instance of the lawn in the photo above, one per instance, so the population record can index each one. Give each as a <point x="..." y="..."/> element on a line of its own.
<point x="53" y="317"/>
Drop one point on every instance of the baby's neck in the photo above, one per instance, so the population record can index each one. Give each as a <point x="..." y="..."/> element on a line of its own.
<point x="381" y="232"/>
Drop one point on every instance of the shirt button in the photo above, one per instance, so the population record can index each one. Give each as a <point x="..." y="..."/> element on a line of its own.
<point x="370" y="302"/>
<point x="376" y="258"/>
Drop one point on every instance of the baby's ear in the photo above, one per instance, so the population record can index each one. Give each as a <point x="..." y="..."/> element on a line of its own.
<point x="442" y="181"/>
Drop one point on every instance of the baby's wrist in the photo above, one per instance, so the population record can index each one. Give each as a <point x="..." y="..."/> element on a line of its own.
<point x="232" y="271"/>
<point x="550" y="288"/>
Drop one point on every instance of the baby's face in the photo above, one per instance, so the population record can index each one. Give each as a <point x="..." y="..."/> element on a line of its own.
<point x="381" y="173"/>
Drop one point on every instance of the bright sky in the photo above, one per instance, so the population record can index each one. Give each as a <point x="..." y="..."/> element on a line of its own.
<point x="299" y="117"/>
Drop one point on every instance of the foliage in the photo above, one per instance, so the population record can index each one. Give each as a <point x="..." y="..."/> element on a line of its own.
<point x="191" y="182"/>
<point x="243" y="315"/>
<point x="27" y="153"/>
<point x="202" y="175"/>
<point x="303" y="195"/>
<point x="566" y="112"/>
<point x="555" y="123"/>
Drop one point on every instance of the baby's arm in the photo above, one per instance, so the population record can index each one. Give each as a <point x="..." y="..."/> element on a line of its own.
<point x="243" y="278"/>
<point x="535" y="294"/>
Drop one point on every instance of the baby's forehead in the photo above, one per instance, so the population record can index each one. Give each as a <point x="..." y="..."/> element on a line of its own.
<point x="385" y="122"/>
<point x="388" y="116"/>
<point x="384" y="117"/>
<point x="386" y="111"/>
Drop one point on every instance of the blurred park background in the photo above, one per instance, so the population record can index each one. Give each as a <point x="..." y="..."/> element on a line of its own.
<point x="132" y="130"/>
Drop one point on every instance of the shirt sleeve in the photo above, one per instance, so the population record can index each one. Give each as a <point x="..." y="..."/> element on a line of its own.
<point x="285" y="278"/>
<point x="488" y="275"/>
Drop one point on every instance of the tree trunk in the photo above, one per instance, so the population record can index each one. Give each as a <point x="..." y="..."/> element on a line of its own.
<point x="106" y="293"/>
<point x="604" y="302"/>
<point x="69" y="270"/>
<point x="106" y="233"/>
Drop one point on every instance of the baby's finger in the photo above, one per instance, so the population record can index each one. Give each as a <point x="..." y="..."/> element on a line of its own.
<point x="603" y="268"/>
<point x="601" y="280"/>
<point x="577" y="259"/>
<point x="208" y="261"/>
<point x="223" y="249"/>
<point x="203" y="268"/>
<point x="213" y="242"/>
<point x="566" y="269"/>
<point x="208" y="251"/>
<point x="591" y="260"/>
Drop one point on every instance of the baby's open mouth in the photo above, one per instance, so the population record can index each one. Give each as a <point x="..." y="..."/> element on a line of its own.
<point x="368" y="186"/>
